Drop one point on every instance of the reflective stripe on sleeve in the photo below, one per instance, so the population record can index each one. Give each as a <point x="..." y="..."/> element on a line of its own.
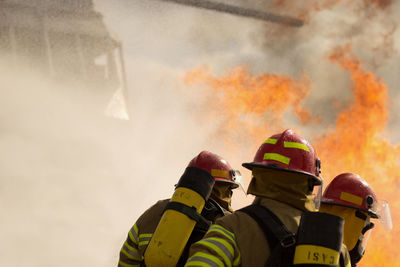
<point x="221" y="247"/>
<point x="237" y="260"/>
<point x="216" y="228"/>
<point x="123" y="264"/>
<point x="223" y="231"/>
<point x="204" y="259"/>
<point x="296" y="145"/>
<point x="133" y="234"/>
<point x="131" y="252"/>
<point x="277" y="157"/>
<point x="144" y="239"/>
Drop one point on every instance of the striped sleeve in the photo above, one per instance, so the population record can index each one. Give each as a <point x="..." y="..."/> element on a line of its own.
<point x="218" y="248"/>
<point x="129" y="256"/>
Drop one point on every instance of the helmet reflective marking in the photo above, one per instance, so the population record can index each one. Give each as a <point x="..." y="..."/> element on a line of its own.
<point x="220" y="173"/>
<point x="351" y="198"/>
<point x="277" y="157"/>
<point x="271" y="141"/>
<point x="295" y="145"/>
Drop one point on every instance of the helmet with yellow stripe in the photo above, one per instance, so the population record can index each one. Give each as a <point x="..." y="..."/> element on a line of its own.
<point x="218" y="167"/>
<point x="350" y="190"/>
<point x="290" y="152"/>
<point x="352" y="198"/>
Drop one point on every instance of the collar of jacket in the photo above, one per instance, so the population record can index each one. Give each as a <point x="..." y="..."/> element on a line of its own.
<point x="287" y="187"/>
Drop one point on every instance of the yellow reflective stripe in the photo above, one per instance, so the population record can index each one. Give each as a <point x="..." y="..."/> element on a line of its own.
<point x="310" y="254"/>
<point x="223" y="231"/>
<point x="206" y="256"/>
<point x="143" y="243"/>
<point x="237" y="259"/>
<point x="135" y="250"/>
<point x="146" y="238"/>
<point x="219" y="173"/>
<point x="271" y="141"/>
<point x="277" y="157"/>
<point x="134" y="235"/>
<point x="130" y="265"/>
<point x="218" y="249"/>
<point x="351" y="198"/>
<point x="224" y="243"/>
<point x="295" y="145"/>
<point x="348" y="264"/>
<point x="145" y="235"/>
<point x="199" y="264"/>
<point x="130" y="256"/>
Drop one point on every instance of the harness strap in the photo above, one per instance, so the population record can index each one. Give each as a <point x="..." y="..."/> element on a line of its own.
<point x="274" y="230"/>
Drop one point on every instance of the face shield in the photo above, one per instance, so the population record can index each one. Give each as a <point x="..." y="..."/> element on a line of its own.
<point x="365" y="234"/>
<point x="317" y="193"/>
<point x="237" y="178"/>
<point x="383" y="211"/>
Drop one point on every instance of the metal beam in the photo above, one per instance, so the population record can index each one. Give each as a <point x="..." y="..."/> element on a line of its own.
<point x="240" y="11"/>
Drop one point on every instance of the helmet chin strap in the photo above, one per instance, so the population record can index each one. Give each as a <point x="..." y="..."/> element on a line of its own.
<point x="358" y="251"/>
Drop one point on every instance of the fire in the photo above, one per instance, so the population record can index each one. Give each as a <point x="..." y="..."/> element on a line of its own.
<point x="242" y="99"/>
<point x="358" y="145"/>
<point x="253" y="107"/>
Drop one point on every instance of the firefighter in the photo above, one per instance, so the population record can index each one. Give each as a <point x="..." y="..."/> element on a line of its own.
<point x="286" y="183"/>
<point x="218" y="204"/>
<point x="352" y="198"/>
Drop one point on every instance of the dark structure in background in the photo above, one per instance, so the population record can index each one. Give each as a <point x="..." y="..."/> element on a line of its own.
<point x="240" y="11"/>
<point x="67" y="39"/>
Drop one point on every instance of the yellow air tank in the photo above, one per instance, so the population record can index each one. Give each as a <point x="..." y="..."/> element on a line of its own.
<point x="179" y="218"/>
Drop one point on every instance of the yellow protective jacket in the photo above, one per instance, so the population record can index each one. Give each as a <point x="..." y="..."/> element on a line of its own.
<point x="237" y="240"/>
<point x="139" y="236"/>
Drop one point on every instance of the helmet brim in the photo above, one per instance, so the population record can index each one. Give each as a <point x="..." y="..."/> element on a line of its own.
<point x="251" y="165"/>
<point x="327" y="201"/>
<point x="223" y="180"/>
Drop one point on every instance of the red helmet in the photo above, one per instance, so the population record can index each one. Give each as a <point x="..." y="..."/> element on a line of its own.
<point x="289" y="152"/>
<point x="217" y="166"/>
<point x="350" y="190"/>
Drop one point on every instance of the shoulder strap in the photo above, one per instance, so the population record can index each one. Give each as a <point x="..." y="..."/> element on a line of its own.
<point x="280" y="239"/>
<point x="274" y="230"/>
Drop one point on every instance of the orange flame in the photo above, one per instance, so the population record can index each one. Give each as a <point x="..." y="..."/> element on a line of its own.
<point x="358" y="145"/>
<point x="242" y="99"/>
<point x="253" y="107"/>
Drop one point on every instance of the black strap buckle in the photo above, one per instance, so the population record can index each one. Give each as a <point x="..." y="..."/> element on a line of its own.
<point x="288" y="241"/>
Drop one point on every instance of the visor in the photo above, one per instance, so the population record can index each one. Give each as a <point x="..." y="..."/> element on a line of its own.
<point x="383" y="211"/>
<point x="317" y="193"/>
<point x="238" y="179"/>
